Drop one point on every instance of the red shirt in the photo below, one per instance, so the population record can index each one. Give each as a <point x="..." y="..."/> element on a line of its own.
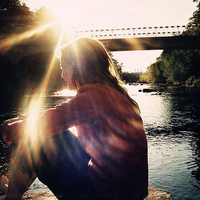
<point x="110" y="130"/>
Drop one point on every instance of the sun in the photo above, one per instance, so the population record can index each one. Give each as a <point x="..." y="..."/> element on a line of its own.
<point x="66" y="12"/>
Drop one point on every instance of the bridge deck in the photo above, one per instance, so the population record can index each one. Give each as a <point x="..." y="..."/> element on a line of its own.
<point x="153" y="43"/>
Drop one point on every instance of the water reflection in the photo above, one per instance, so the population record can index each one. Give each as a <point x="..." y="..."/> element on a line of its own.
<point x="172" y="122"/>
<point x="196" y="166"/>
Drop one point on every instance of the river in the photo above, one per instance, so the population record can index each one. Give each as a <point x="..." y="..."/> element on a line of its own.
<point x="172" y="123"/>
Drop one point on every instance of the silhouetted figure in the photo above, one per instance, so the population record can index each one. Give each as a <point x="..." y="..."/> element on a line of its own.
<point x="92" y="147"/>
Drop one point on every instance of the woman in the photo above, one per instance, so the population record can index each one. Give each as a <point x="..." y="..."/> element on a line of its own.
<point x="105" y="157"/>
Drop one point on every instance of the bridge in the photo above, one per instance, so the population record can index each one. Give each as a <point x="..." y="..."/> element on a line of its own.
<point x="135" y="32"/>
<point x="143" y="38"/>
<point x="119" y="39"/>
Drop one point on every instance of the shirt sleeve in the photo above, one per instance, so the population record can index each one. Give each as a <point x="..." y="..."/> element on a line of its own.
<point x="57" y="120"/>
<point x="64" y="116"/>
<point x="52" y="121"/>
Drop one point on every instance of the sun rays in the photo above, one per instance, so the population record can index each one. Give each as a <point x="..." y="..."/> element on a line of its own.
<point x="15" y="39"/>
<point x="66" y="18"/>
<point x="29" y="133"/>
<point x="37" y="101"/>
<point x="67" y="13"/>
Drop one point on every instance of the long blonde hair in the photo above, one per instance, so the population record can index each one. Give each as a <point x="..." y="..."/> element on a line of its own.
<point x="92" y="64"/>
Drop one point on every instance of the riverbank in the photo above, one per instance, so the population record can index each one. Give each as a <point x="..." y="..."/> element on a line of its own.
<point x="159" y="88"/>
<point x="44" y="194"/>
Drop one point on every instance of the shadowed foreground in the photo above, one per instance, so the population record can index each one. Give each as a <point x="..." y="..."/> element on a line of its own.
<point x="44" y="194"/>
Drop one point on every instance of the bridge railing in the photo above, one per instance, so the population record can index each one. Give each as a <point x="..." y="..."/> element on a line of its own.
<point x="136" y="32"/>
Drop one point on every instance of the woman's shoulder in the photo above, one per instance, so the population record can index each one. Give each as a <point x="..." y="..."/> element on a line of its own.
<point x="102" y="93"/>
<point x="97" y="88"/>
<point x="91" y="86"/>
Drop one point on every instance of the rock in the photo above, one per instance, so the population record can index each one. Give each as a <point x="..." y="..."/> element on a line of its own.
<point x="40" y="194"/>
<point x="46" y="194"/>
<point x="158" y="194"/>
<point x="147" y="90"/>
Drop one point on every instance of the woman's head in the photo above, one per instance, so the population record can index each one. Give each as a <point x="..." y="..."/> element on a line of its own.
<point x="86" y="61"/>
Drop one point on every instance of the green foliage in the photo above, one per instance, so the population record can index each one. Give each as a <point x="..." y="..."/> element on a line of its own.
<point x="175" y="66"/>
<point x="143" y="78"/>
<point x="130" y="77"/>
<point x="9" y="5"/>
<point x="43" y="16"/>
<point x="14" y="17"/>
<point x="179" y="65"/>
<point x="155" y="72"/>
<point x="29" y="72"/>
<point x="117" y="64"/>
<point x="125" y="76"/>
<point x="193" y="27"/>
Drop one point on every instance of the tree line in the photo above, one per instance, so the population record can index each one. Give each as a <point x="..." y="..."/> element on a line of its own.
<point x="16" y="17"/>
<point x="28" y="72"/>
<point x="178" y="66"/>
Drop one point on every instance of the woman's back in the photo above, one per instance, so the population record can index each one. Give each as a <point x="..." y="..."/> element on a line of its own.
<point x="112" y="134"/>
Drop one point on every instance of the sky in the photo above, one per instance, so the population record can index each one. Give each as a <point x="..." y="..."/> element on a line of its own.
<point x="100" y="14"/>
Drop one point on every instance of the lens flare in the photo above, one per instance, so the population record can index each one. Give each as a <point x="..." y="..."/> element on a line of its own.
<point x="15" y="39"/>
<point x="31" y="132"/>
<point x="30" y="135"/>
<point x="68" y="13"/>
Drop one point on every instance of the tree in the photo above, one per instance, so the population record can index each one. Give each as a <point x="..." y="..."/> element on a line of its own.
<point x="43" y="16"/>
<point x="193" y="27"/>
<point x="155" y="73"/>
<point x="130" y="77"/>
<point x="118" y="65"/>
<point x="179" y="65"/>
<point x="14" y="16"/>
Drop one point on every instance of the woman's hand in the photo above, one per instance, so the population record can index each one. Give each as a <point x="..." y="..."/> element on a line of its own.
<point x="9" y="128"/>
<point x="9" y="121"/>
